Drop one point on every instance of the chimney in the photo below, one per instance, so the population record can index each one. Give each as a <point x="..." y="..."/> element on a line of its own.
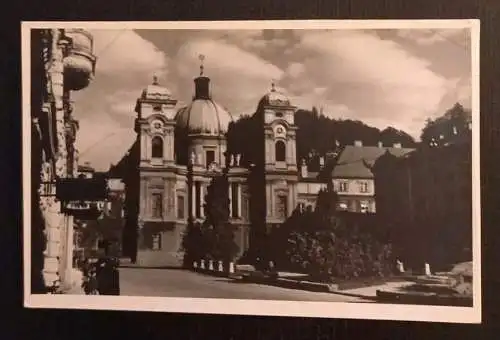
<point x="358" y="143"/>
<point x="303" y="169"/>
<point x="397" y="145"/>
<point x="380" y="145"/>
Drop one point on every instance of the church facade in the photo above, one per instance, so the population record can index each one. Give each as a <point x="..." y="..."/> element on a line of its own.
<point x="178" y="150"/>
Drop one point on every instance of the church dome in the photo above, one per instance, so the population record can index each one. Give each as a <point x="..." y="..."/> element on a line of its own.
<point x="204" y="116"/>
<point x="275" y="98"/>
<point x="155" y="91"/>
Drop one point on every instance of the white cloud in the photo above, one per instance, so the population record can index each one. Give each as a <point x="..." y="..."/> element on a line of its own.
<point x="295" y="69"/>
<point x="238" y="78"/>
<point x="377" y="79"/>
<point x="123" y="53"/>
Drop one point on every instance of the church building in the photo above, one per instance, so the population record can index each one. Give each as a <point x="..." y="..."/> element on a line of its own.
<point x="179" y="149"/>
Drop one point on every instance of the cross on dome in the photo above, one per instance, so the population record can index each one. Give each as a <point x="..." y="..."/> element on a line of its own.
<point x="201" y="57"/>
<point x="155" y="80"/>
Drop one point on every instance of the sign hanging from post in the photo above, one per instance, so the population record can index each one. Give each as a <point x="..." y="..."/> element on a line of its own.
<point x="81" y="189"/>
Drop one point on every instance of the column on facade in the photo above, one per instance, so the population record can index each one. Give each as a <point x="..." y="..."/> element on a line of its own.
<point x="193" y="199"/>
<point x="143" y="197"/>
<point x="202" y="189"/>
<point x="238" y="187"/>
<point x="269" y="199"/>
<point x="144" y="150"/>
<point x="230" y="199"/>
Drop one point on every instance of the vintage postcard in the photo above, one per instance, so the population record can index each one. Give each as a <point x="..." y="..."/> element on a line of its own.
<point x="295" y="168"/>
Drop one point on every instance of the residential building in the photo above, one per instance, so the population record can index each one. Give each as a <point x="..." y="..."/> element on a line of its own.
<point x="352" y="179"/>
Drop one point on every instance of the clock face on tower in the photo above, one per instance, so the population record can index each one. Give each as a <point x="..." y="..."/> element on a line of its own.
<point x="279" y="131"/>
<point x="156" y="125"/>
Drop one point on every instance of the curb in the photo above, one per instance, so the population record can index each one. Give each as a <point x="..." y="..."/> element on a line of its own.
<point x="303" y="285"/>
<point x="420" y="299"/>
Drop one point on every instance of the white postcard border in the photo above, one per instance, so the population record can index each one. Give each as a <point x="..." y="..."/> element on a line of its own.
<point x="259" y="307"/>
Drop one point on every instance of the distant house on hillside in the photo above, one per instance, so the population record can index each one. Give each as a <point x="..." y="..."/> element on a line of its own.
<point x="352" y="178"/>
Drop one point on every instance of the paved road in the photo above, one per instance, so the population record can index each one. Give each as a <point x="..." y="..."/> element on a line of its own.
<point x="181" y="283"/>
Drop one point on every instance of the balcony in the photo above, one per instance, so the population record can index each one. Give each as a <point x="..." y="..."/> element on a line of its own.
<point x="79" y="63"/>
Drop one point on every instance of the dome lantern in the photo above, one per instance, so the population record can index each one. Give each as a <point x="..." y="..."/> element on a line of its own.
<point x="203" y="116"/>
<point x="202" y="83"/>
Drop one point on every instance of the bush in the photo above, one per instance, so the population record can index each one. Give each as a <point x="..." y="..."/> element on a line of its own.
<point x="326" y="256"/>
<point x="328" y="246"/>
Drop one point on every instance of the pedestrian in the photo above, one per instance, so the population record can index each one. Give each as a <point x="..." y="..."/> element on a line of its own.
<point x="108" y="277"/>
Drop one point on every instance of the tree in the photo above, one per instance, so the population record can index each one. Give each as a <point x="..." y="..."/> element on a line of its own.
<point x="217" y="227"/>
<point x="193" y="244"/>
<point x="445" y="129"/>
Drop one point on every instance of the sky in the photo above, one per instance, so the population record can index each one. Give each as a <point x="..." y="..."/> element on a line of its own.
<point x="384" y="78"/>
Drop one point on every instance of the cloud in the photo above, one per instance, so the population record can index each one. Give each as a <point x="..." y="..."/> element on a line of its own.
<point x="125" y="65"/>
<point x="238" y="78"/>
<point x="123" y="53"/>
<point x="375" y="78"/>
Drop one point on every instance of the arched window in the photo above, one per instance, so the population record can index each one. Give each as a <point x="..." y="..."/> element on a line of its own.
<point x="157" y="147"/>
<point x="280" y="150"/>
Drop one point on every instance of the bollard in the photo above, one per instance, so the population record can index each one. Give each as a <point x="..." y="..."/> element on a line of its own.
<point x="210" y="265"/>
<point x="427" y="270"/>
<point x="231" y="267"/>
<point x="202" y="266"/>
<point x="401" y="267"/>
<point x="221" y="268"/>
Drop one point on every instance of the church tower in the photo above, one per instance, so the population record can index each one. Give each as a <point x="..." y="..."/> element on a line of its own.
<point x="155" y="125"/>
<point x="277" y="166"/>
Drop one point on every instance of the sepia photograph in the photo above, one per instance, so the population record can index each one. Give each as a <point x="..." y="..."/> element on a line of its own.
<point x="295" y="168"/>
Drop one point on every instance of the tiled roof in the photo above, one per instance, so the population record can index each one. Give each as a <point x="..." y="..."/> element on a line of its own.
<point x="352" y="160"/>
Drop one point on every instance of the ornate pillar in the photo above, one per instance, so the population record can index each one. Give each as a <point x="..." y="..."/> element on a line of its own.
<point x="202" y="211"/>
<point x="238" y="187"/>
<point x="231" y="199"/>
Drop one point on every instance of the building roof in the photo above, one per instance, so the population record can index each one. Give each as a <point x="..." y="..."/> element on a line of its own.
<point x="204" y="116"/>
<point x="352" y="160"/>
<point x="275" y="98"/>
<point x="155" y="91"/>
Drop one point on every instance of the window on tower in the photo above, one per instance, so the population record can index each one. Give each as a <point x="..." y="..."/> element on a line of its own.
<point x="281" y="206"/>
<point x="157" y="205"/>
<point x="280" y="150"/>
<point x="180" y="206"/>
<point x="209" y="157"/>
<point x="234" y="200"/>
<point x="157" y="147"/>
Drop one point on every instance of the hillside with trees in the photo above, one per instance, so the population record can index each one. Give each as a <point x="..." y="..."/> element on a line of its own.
<point x="318" y="134"/>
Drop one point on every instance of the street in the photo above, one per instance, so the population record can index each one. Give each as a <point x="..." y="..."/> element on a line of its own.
<point x="182" y="283"/>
